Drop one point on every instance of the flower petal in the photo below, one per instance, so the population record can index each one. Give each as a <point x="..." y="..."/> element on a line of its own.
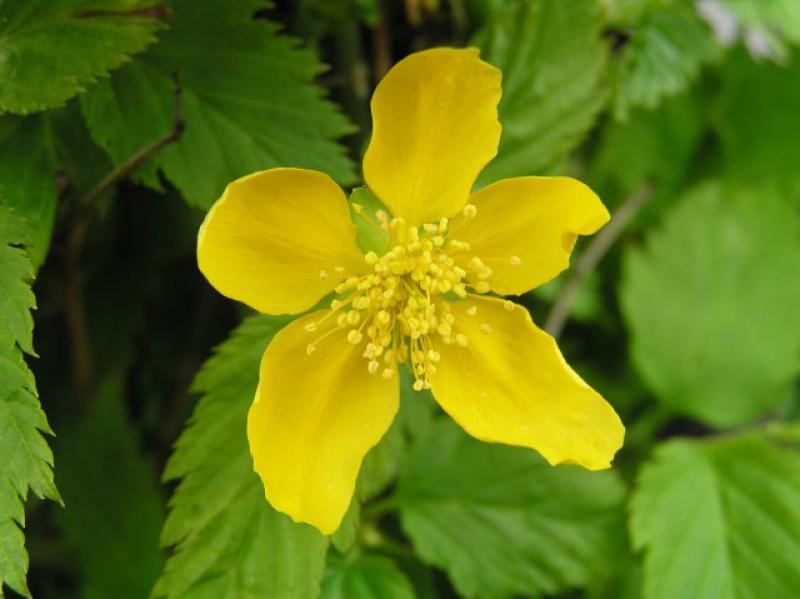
<point x="314" y="418"/>
<point x="275" y="237"/>
<point x="434" y="128"/>
<point x="525" y="228"/>
<point x="511" y="385"/>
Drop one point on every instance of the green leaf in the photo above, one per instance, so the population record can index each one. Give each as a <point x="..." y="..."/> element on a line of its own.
<point x="34" y="149"/>
<point x="248" y="105"/>
<point x="712" y="309"/>
<point x="27" y="182"/>
<point x="758" y="120"/>
<point x="665" y="54"/>
<point x="113" y="513"/>
<point x="500" y="520"/>
<point x="228" y="541"/>
<point x="27" y="462"/>
<point x="719" y="519"/>
<point x="50" y="49"/>
<point x="553" y="61"/>
<point x="365" y="577"/>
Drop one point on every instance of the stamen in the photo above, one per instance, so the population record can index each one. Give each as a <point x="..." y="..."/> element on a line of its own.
<point x="472" y="310"/>
<point x="311" y="327"/>
<point x="486" y="329"/>
<point x="323" y="274"/>
<point x="509" y="305"/>
<point x="515" y="260"/>
<point x="354" y="337"/>
<point x="470" y="210"/>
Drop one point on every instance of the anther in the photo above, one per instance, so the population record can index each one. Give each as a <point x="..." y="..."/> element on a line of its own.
<point x="481" y="287"/>
<point x="461" y="339"/>
<point x="418" y="385"/>
<point x="470" y="210"/>
<point x="373" y="366"/>
<point x="508" y="305"/>
<point x="357" y="208"/>
<point x="371" y="258"/>
<point x="339" y="269"/>
<point x="310" y="349"/>
<point x="323" y="274"/>
<point x="354" y="337"/>
<point x="472" y="310"/>
<point x="515" y="260"/>
<point x="311" y="327"/>
<point x="486" y="329"/>
<point x="387" y="373"/>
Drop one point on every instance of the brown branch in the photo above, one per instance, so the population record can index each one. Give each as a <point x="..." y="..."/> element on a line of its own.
<point x="80" y="344"/>
<point x="591" y="256"/>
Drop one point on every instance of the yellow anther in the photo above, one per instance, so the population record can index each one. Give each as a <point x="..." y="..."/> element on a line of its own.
<point x="383" y="317"/>
<point x="354" y="337"/>
<point x="357" y="208"/>
<point x="472" y="310"/>
<point x="461" y="339"/>
<point x="336" y="304"/>
<point x="339" y="269"/>
<point x="353" y="317"/>
<point x="323" y="274"/>
<point x="371" y="258"/>
<point x="387" y="373"/>
<point x="443" y="224"/>
<point x="515" y="260"/>
<point x="470" y="210"/>
<point x="418" y="385"/>
<point x="373" y="366"/>
<point x="434" y="356"/>
<point x="310" y="348"/>
<point x="311" y="327"/>
<point x="486" y="329"/>
<point x="509" y="305"/>
<point x="431" y="227"/>
<point x="481" y="287"/>
<point x="438" y="241"/>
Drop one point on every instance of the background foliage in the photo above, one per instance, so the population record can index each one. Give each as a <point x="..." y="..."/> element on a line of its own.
<point x="122" y="120"/>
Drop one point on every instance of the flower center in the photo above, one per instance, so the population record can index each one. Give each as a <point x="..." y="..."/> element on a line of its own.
<point x="399" y="308"/>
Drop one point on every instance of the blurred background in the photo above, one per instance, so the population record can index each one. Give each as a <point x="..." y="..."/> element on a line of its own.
<point x="122" y="121"/>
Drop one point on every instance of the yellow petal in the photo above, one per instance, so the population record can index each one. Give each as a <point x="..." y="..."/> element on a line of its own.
<point x="434" y="127"/>
<point x="510" y="384"/>
<point x="525" y="228"/>
<point x="314" y="418"/>
<point x="275" y="239"/>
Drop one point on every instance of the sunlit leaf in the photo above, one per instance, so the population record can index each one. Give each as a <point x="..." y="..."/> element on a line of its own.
<point x="500" y="521"/>
<point x="719" y="519"/>
<point x="27" y="462"/>
<point x="50" y="49"/>
<point x="248" y="103"/>
<point x="713" y="307"/>
<point x="553" y="60"/>
<point x="228" y="541"/>
<point x="663" y="56"/>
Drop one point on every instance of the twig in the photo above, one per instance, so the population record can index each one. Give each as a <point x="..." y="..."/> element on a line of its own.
<point x="382" y="43"/>
<point x="80" y="344"/>
<point x="591" y="256"/>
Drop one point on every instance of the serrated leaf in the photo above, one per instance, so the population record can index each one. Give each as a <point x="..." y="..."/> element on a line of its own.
<point x="365" y="577"/>
<point x="500" y="521"/>
<point x="228" y="541"/>
<point x="663" y="57"/>
<point x="248" y="105"/>
<point x="114" y="511"/>
<point x="553" y="61"/>
<point x="27" y="462"/>
<point x="50" y="49"/>
<point x="718" y="519"/>
<point x="712" y="308"/>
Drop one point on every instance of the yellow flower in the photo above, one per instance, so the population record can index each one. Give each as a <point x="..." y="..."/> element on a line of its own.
<point x="282" y="239"/>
